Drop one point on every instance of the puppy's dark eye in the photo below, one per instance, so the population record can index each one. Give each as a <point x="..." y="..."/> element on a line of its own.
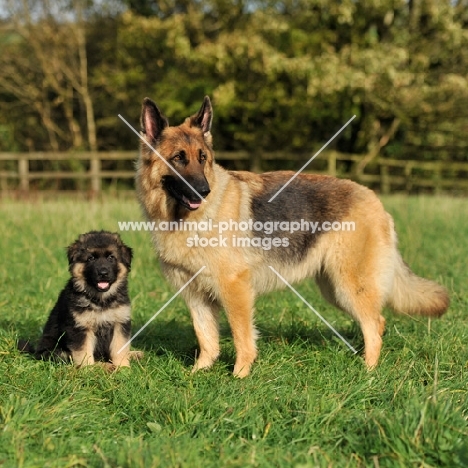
<point x="111" y="258"/>
<point x="90" y="259"/>
<point x="202" y="156"/>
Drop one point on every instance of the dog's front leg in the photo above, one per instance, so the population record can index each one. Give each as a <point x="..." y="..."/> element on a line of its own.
<point x="83" y="354"/>
<point x="120" y="346"/>
<point x="205" y="317"/>
<point x="238" y="299"/>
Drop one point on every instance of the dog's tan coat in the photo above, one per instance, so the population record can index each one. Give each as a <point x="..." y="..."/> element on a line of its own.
<point x="359" y="272"/>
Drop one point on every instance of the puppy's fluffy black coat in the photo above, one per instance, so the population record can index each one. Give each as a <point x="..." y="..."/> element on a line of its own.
<point x="91" y="319"/>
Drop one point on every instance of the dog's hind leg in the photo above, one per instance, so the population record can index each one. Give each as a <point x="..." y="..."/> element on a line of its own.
<point x="372" y="330"/>
<point x="205" y="317"/>
<point x="362" y="301"/>
<point x="357" y="272"/>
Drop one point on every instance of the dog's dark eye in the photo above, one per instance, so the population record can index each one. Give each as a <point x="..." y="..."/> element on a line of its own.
<point x="90" y="259"/>
<point x="111" y="258"/>
<point x="202" y="156"/>
<point x="180" y="156"/>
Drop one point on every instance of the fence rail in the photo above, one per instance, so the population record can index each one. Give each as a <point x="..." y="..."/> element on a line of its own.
<point x="385" y="175"/>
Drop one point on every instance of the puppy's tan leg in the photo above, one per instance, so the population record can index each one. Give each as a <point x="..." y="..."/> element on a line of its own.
<point x="85" y="355"/>
<point x="238" y="299"/>
<point x="120" y="357"/>
<point x="205" y="317"/>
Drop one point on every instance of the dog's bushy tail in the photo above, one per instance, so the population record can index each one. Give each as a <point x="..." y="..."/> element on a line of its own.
<point x="57" y="355"/>
<point x="415" y="295"/>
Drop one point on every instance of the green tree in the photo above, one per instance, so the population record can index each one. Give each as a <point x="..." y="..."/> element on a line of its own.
<point x="45" y="68"/>
<point x="282" y="74"/>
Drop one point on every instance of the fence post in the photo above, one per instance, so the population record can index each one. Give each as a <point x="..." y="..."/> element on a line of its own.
<point x="384" y="179"/>
<point x="95" y="173"/>
<point x="332" y="163"/>
<point x="23" y="172"/>
<point x="3" y="184"/>
<point x="437" y="179"/>
<point x="255" y="161"/>
<point x="408" y="182"/>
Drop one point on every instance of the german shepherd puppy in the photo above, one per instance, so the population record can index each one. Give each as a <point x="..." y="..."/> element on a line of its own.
<point x="358" y="271"/>
<point x="91" y="319"/>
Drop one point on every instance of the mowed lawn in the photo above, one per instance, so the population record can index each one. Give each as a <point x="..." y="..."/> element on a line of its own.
<point x="309" y="401"/>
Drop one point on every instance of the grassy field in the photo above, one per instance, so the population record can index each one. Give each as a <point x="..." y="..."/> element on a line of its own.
<point x="309" y="401"/>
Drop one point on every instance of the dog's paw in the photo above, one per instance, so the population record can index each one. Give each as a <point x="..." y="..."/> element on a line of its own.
<point x="241" y="372"/>
<point x="107" y="366"/>
<point x="136" y="355"/>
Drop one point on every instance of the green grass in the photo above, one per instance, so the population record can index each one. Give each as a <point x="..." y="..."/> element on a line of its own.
<point x="309" y="401"/>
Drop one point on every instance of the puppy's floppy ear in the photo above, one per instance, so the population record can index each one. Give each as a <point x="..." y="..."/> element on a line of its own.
<point x="73" y="251"/>
<point x="127" y="255"/>
<point x="125" y="251"/>
<point x="152" y="120"/>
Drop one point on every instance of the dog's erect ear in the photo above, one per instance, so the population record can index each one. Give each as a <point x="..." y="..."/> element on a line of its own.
<point x="204" y="117"/>
<point x="152" y="120"/>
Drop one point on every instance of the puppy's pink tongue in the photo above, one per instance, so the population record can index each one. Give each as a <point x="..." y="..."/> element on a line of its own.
<point x="103" y="285"/>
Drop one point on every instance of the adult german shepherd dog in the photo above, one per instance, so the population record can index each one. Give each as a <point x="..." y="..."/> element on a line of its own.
<point x="358" y="271"/>
<point x="91" y="320"/>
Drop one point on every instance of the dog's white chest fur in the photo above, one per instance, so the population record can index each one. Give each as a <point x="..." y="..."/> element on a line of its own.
<point x="91" y="319"/>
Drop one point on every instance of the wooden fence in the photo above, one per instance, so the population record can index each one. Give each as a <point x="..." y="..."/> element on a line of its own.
<point x="384" y="175"/>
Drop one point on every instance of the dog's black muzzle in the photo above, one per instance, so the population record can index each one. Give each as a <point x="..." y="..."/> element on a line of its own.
<point x="187" y="194"/>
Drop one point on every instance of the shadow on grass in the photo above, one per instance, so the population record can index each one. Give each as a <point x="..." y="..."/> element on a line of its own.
<point x="315" y="337"/>
<point x="177" y="338"/>
<point x="168" y="337"/>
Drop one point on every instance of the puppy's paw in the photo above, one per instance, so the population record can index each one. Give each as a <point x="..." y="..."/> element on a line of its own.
<point x="107" y="366"/>
<point x="136" y="355"/>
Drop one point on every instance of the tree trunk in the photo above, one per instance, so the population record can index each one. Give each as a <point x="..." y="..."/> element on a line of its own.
<point x="377" y="147"/>
<point x="84" y="91"/>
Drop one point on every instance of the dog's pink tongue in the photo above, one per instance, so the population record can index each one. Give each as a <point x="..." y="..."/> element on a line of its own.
<point x="195" y="204"/>
<point x="103" y="285"/>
